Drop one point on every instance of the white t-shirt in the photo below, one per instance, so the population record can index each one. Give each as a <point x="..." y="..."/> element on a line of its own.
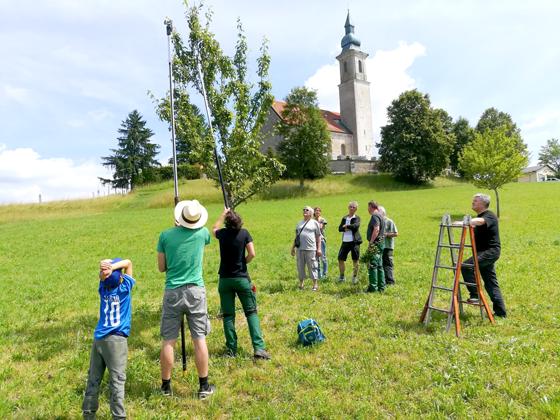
<point x="348" y="236"/>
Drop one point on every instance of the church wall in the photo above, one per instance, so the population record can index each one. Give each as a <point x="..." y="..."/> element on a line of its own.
<point x="271" y="140"/>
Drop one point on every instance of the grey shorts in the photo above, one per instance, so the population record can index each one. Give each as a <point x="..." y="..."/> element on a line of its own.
<point x="189" y="300"/>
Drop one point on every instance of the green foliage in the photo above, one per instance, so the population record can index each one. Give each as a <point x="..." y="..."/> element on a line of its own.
<point x="417" y="141"/>
<point x="493" y="159"/>
<point x="134" y="160"/>
<point x="550" y="155"/>
<point x="306" y="144"/>
<point x="238" y="107"/>
<point x="193" y="142"/>
<point x="185" y="171"/>
<point x="464" y="134"/>
<point x="378" y="361"/>
<point x="492" y="119"/>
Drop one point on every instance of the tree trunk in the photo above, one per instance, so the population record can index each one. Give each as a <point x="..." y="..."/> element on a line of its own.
<point x="497" y="203"/>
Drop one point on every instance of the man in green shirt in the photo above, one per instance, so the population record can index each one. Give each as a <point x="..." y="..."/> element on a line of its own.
<point x="180" y="255"/>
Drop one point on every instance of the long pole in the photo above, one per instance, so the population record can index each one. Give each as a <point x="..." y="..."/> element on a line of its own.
<point x="169" y="28"/>
<point x="209" y="118"/>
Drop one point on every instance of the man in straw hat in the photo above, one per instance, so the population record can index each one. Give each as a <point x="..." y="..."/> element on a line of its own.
<point x="180" y="254"/>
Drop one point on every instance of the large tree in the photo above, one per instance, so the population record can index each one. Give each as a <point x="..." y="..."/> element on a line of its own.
<point x="306" y="143"/>
<point x="135" y="156"/>
<point x="492" y="119"/>
<point x="550" y="155"/>
<point x="238" y="107"/>
<point x="416" y="142"/>
<point x="464" y="134"/>
<point x="492" y="160"/>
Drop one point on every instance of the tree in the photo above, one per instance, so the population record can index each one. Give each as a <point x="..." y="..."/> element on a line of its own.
<point x="238" y="107"/>
<point x="306" y="146"/>
<point x="550" y="155"/>
<point x="492" y="160"/>
<point x="414" y="144"/>
<point x="134" y="158"/>
<point x="464" y="134"/>
<point x="493" y="119"/>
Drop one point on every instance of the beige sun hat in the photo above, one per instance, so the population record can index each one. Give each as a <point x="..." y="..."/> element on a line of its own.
<point x="191" y="214"/>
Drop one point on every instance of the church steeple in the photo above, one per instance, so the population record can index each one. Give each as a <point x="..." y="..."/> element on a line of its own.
<point x="349" y="41"/>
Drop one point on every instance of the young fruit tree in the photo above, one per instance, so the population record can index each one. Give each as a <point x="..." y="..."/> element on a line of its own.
<point x="492" y="160"/>
<point x="238" y="107"/>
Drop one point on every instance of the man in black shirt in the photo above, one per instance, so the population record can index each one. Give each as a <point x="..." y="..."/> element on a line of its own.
<point x="376" y="242"/>
<point x="487" y="241"/>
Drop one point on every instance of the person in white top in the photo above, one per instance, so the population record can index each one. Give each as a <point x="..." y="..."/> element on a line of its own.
<point x="351" y="240"/>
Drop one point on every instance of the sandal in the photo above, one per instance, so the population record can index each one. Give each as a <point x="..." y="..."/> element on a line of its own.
<point x="315" y="288"/>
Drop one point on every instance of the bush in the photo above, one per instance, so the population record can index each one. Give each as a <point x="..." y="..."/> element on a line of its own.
<point x="165" y="173"/>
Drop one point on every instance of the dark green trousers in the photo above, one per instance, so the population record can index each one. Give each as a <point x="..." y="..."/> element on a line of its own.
<point x="242" y="287"/>
<point x="376" y="274"/>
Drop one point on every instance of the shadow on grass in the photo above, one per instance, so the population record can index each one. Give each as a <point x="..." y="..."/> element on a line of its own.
<point x="283" y="191"/>
<point x="385" y="182"/>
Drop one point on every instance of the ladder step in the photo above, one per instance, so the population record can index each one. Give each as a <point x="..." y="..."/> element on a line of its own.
<point x="453" y="226"/>
<point x="442" y="288"/>
<point x="445" y="266"/>
<point x="447" y="311"/>
<point x="467" y="284"/>
<point x="471" y="303"/>
<point x="453" y="246"/>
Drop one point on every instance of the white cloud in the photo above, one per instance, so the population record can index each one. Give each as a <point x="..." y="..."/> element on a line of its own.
<point x="387" y="73"/>
<point x="541" y="120"/>
<point x="15" y="94"/>
<point x="24" y="175"/>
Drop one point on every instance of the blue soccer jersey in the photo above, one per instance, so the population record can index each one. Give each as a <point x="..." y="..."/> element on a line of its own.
<point x="115" y="309"/>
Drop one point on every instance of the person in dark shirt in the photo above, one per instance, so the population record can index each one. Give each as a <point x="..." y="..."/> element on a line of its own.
<point x="236" y="250"/>
<point x="376" y="242"/>
<point x="487" y="241"/>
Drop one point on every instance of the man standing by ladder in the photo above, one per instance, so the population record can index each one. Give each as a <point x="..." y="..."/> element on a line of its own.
<point x="487" y="240"/>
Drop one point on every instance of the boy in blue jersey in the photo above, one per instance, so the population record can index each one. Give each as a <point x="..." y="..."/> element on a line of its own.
<point x="110" y="348"/>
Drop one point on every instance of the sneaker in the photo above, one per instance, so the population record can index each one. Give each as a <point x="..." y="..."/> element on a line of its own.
<point x="473" y="301"/>
<point x="261" y="354"/>
<point x="230" y="353"/>
<point x="341" y="279"/>
<point x="166" y="390"/>
<point x="354" y="280"/>
<point x="205" y="393"/>
<point x="370" y="289"/>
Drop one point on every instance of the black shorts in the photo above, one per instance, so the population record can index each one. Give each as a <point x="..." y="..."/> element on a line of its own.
<point x="347" y="247"/>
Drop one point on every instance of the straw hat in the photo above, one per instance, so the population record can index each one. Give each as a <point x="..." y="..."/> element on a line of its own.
<point x="190" y="214"/>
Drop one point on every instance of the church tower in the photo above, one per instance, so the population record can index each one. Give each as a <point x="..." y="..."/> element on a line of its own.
<point x="354" y="93"/>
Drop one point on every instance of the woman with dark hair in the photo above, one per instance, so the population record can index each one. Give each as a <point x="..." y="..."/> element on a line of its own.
<point x="236" y="250"/>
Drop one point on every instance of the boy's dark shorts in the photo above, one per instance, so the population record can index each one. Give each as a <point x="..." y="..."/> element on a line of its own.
<point x="349" y="247"/>
<point x="190" y="300"/>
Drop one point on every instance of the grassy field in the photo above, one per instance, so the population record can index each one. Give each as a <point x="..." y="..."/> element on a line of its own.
<point x="377" y="362"/>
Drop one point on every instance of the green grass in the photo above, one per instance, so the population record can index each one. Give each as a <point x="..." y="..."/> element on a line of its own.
<point x="377" y="362"/>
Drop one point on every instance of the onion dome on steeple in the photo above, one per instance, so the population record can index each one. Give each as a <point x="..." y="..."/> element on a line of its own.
<point x="349" y="41"/>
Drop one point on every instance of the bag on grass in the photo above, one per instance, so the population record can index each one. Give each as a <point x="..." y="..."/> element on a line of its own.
<point x="309" y="332"/>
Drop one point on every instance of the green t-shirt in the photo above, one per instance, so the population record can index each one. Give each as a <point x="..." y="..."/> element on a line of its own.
<point x="184" y="252"/>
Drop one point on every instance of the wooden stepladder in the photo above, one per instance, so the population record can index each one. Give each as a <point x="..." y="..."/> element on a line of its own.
<point x="456" y="252"/>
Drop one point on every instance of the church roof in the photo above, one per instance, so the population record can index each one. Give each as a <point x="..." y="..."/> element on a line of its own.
<point x="333" y="120"/>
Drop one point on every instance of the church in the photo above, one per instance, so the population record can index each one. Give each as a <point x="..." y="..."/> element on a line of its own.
<point x="351" y="130"/>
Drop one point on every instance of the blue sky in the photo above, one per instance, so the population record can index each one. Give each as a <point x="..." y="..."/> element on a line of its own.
<point x="72" y="70"/>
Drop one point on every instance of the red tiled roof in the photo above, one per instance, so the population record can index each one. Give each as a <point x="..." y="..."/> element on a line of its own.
<point x="331" y="118"/>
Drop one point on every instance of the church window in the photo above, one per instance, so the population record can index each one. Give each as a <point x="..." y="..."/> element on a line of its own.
<point x="343" y="149"/>
<point x="345" y="68"/>
<point x="360" y="66"/>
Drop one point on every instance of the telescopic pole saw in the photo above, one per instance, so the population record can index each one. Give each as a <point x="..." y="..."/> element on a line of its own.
<point x="169" y="28"/>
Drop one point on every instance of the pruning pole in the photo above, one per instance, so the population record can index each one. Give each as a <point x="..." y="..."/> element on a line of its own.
<point x="169" y="30"/>
<point x="209" y="118"/>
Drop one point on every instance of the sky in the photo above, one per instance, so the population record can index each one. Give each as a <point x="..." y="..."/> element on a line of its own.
<point x="72" y="70"/>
